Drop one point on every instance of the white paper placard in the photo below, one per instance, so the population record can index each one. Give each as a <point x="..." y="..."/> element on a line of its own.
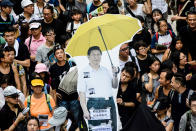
<point x="100" y="114"/>
<point x="102" y="128"/>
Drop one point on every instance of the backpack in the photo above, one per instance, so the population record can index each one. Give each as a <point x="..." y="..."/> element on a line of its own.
<point x="188" y="121"/>
<point x="47" y="100"/>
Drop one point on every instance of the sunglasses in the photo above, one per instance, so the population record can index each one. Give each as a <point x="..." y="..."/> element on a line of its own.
<point x="14" y="96"/>
<point x="124" y="49"/>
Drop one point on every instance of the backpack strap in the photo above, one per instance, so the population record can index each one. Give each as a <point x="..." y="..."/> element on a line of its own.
<point x="170" y="32"/>
<point x="48" y="102"/>
<point x="157" y="36"/>
<point x="188" y="121"/>
<point x="88" y="7"/>
<point x="29" y="103"/>
<point x="45" y="88"/>
<point x="72" y="26"/>
<point x="70" y="63"/>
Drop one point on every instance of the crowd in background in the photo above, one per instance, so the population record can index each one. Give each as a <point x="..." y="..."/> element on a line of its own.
<point x="157" y="68"/>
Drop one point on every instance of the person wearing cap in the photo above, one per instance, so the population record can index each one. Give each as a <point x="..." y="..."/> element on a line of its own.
<point x="11" y="116"/>
<point x="37" y="102"/>
<point x="6" y="19"/>
<point x="35" y="40"/>
<point x="28" y="11"/>
<point x="42" y="71"/>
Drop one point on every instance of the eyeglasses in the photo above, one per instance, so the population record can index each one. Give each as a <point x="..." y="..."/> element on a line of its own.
<point x="124" y="49"/>
<point x="142" y="48"/>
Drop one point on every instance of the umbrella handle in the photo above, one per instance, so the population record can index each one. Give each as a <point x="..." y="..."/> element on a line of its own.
<point x="105" y="46"/>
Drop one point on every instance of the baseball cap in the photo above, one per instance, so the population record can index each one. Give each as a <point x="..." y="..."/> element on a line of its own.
<point x="37" y="82"/>
<point x="34" y="25"/>
<point x="25" y="3"/>
<point x="6" y="3"/>
<point x="40" y="67"/>
<point x="59" y="116"/>
<point x="10" y="91"/>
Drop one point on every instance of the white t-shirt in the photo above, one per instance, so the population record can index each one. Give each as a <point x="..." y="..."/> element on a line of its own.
<point x="95" y="83"/>
<point x="75" y="27"/>
<point x="138" y="11"/>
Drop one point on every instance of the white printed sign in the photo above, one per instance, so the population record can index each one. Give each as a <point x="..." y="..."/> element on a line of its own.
<point x="100" y="114"/>
<point x="102" y="128"/>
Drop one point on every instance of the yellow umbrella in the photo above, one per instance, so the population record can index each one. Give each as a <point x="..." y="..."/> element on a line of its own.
<point x="105" y="31"/>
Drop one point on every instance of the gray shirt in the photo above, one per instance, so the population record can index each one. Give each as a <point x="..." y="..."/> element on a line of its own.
<point x="182" y="125"/>
<point x="42" y="54"/>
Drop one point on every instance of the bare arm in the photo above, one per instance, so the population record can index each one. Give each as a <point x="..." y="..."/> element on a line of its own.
<point x="149" y="85"/>
<point x="25" y="63"/>
<point x="83" y="105"/>
<point x="166" y="55"/>
<point x="16" y="77"/>
<point x="155" y="51"/>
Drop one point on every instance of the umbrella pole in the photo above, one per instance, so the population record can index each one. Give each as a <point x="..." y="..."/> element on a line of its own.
<point x="105" y="46"/>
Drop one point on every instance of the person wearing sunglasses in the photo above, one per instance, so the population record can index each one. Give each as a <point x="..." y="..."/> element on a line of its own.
<point x="11" y="116"/>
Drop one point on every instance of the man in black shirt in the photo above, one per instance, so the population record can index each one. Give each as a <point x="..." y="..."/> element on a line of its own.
<point x="11" y="115"/>
<point x="179" y="98"/>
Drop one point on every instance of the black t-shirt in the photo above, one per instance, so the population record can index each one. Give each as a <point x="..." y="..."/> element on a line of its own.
<point x="189" y="40"/>
<point x="7" y="117"/>
<point x="127" y="96"/>
<point x="178" y="107"/>
<point x="144" y="65"/>
<point x="58" y="27"/>
<point x="10" y="75"/>
<point x="57" y="73"/>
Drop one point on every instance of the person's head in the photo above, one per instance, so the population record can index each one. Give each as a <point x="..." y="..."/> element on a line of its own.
<point x="11" y="95"/>
<point x="6" y="6"/>
<point x="141" y="48"/>
<point x="37" y="84"/>
<point x="124" y="50"/>
<point x="134" y="66"/>
<point x="178" y="80"/>
<point x="4" y="81"/>
<point x="162" y="106"/>
<point x="141" y="19"/>
<point x="59" y="53"/>
<point x="168" y="64"/>
<point x="76" y="14"/>
<point x="192" y="103"/>
<point x="178" y="43"/>
<point x="35" y="28"/>
<point x="4" y="56"/>
<point x="179" y="58"/>
<point x="41" y="69"/>
<point x="28" y="6"/>
<point x="132" y="3"/>
<point x="11" y="51"/>
<point x="33" y="124"/>
<point x="165" y="77"/>
<point x="24" y="30"/>
<point x="155" y="64"/>
<point x="162" y="25"/>
<point x="59" y="116"/>
<point x="94" y="55"/>
<point x="49" y="34"/>
<point x="105" y="5"/>
<point x="156" y="15"/>
<point x="127" y="74"/>
<point x="191" y="19"/>
<point x="9" y="35"/>
<point x="48" y="13"/>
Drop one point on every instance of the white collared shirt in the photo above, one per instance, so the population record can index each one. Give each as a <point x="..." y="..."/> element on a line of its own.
<point x="95" y="83"/>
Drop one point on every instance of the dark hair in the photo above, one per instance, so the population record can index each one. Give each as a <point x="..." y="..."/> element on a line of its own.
<point x="75" y="11"/>
<point x="140" y="18"/>
<point x="164" y="103"/>
<point x="112" y="10"/>
<point x="49" y="7"/>
<point x="176" y="58"/>
<point x="138" y="44"/>
<point x="47" y="30"/>
<point x="192" y="98"/>
<point x="57" y="47"/>
<point x="9" y="29"/>
<point x="153" y="11"/>
<point x="153" y="59"/>
<point x="93" y="48"/>
<point x="9" y="48"/>
<point x="4" y="79"/>
<point x="159" y="22"/>
<point x="24" y="28"/>
<point x="131" y="64"/>
<point x="33" y="118"/>
<point x="169" y="74"/>
<point x="180" y="78"/>
<point x="1" y="53"/>
<point x="129" y="70"/>
<point x="192" y="11"/>
<point x="167" y="64"/>
<point x="35" y="75"/>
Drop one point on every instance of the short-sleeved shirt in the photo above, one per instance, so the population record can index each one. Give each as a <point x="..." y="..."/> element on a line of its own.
<point x="40" y="107"/>
<point x="183" y="122"/>
<point x="8" y="116"/>
<point x="6" y="23"/>
<point x="95" y="83"/>
<point x="42" y="54"/>
<point x="34" y="44"/>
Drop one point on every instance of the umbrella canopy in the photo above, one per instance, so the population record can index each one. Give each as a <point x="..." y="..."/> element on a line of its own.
<point x="108" y="29"/>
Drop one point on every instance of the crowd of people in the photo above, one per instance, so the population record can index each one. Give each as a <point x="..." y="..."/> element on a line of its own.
<point x="41" y="87"/>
